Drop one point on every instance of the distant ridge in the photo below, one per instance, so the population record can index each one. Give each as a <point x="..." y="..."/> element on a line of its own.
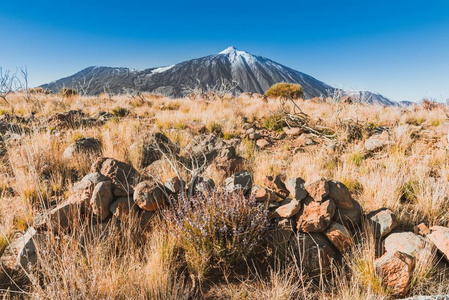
<point x="250" y="73"/>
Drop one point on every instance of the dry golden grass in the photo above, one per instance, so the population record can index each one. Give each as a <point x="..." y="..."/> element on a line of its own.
<point x="410" y="176"/>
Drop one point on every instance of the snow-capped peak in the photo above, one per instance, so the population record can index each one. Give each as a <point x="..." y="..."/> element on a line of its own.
<point x="236" y="56"/>
<point x="228" y="50"/>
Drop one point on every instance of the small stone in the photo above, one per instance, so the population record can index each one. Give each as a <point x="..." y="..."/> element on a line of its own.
<point x="174" y="185"/>
<point x="318" y="188"/>
<point x="149" y="196"/>
<point x="395" y="269"/>
<point x="421" y="229"/>
<point x="262" y="194"/>
<point x="287" y="208"/>
<point x="262" y="143"/>
<point x="82" y="146"/>
<point x="296" y="188"/>
<point x="339" y="236"/>
<point x="276" y="185"/>
<point x="315" y="216"/>
<point x="293" y="131"/>
<point x="383" y="221"/>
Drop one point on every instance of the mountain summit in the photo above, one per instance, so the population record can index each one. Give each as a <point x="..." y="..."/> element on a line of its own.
<point x="250" y="73"/>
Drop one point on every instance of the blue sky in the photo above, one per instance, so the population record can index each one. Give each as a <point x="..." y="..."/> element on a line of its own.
<point x="397" y="48"/>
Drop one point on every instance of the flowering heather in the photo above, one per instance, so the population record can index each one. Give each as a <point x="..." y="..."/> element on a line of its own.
<point x="217" y="228"/>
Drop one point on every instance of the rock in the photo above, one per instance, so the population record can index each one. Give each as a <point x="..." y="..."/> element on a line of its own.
<point x="288" y="208"/>
<point x="239" y="182"/>
<point x="375" y="143"/>
<point x="174" y="185"/>
<point x="122" y="208"/>
<point x="340" y="194"/>
<point x="226" y="163"/>
<point x="339" y="236"/>
<point x="262" y="143"/>
<point x="315" y="216"/>
<point x="82" y="146"/>
<point x="314" y="251"/>
<point x="395" y="270"/>
<point x="203" y="147"/>
<point x="149" y="196"/>
<point x="83" y="189"/>
<point x="421" y="229"/>
<point x="293" y="131"/>
<point x="383" y="221"/>
<point x="349" y="217"/>
<point x="411" y="244"/>
<point x="439" y="236"/>
<point x="203" y="185"/>
<point x="66" y="120"/>
<point x="262" y="194"/>
<point x="296" y="188"/>
<point x="281" y="234"/>
<point x="101" y="199"/>
<point x="276" y="185"/>
<point x="123" y="176"/>
<point x="196" y="127"/>
<point x="20" y="255"/>
<point x="318" y="188"/>
<point x="152" y="148"/>
<point x="64" y="215"/>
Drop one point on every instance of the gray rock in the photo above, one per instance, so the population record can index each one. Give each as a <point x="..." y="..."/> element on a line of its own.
<point x="340" y="194"/>
<point x="83" y="146"/>
<point x="101" y="199"/>
<point x="239" y="182"/>
<point x="383" y="221"/>
<point x="411" y="244"/>
<point x="296" y="188"/>
<point x="149" y="196"/>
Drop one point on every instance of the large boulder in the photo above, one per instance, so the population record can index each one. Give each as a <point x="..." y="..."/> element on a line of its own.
<point x="240" y="182"/>
<point x="383" y="221"/>
<point x="123" y="176"/>
<point x="411" y="244"/>
<point x="82" y="191"/>
<point x="83" y="146"/>
<point x="318" y="188"/>
<point x="340" y="194"/>
<point x="149" y="196"/>
<point x="123" y="207"/>
<point x="339" y="236"/>
<point x="439" y="236"/>
<point x="66" y="120"/>
<point x="315" y="216"/>
<point x="395" y="270"/>
<point x="151" y="148"/>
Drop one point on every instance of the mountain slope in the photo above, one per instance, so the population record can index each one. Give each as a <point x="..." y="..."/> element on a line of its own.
<point x="250" y="73"/>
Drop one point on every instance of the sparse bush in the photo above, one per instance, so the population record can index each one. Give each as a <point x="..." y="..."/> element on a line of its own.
<point x="119" y="112"/>
<point x="285" y="91"/>
<point x="274" y="121"/>
<point x="68" y="92"/>
<point x="217" y="230"/>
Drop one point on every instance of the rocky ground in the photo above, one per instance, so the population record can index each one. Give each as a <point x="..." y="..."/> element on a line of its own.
<point x="140" y="196"/>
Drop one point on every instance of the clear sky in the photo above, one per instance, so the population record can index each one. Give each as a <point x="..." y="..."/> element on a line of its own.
<point x="397" y="48"/>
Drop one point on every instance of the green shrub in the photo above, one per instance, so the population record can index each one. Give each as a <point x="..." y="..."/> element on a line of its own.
<point x="274" y="121"/>
<point x="285" y="91"/>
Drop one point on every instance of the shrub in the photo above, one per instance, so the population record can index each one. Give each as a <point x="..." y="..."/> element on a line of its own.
<point x="119" y="112"/>
<point x="217" y="229"/>
<point x="68" y="92"/>
<point x="274" y="121"/>
<point x="285" y="91"/>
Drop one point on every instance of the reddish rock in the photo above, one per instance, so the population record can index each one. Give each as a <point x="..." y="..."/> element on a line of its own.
<point x="149" y="196"/>
<point x="318" y="188"/>
<point x="262" y="143"/>
<point x="411" y="244"/>
<point x="315" y="216"/>
<point x="421" y="229"/>
<point x="439" y="236"/>
<point x="276" y="185"/>
<point x="395" y="270"/>
<point x="296" y="188"/>
<point x="288" y="208"/>
<point x="262" y="194"/>
<point x="340" y="194"/>
<point x="339" y="236"/>
<point x="349" y="217"/>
